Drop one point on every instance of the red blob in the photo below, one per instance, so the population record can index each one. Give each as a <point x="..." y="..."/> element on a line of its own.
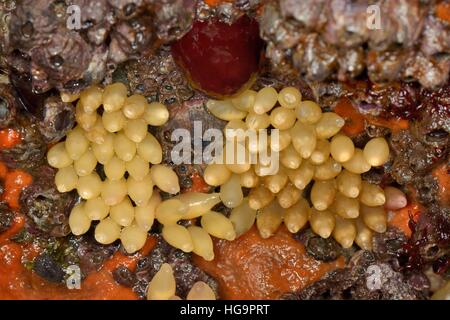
<point x="220" y="58"/>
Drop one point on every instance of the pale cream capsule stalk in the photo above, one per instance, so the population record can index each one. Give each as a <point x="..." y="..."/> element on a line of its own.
<point x="57" y="156"/>
<point x="178" y="236"/>
<point x="201" y="291"/>
<point x="133" y="238"/>
<point x="114" y="96"/>
<point x="113" y="191"/>
<point x="86" y="164"/>
<point x="145" y="215"/>
<point x="344" y="232"/>
<point x="304" y="139"/>
<point x="288" y="196"/>
<point x="124" y="148"/>
<point x="170" y="211"/>
<point x="302" y="176"/>
<point x="91" y="98"/>
<point x="140" y="191"/>
<point x="231" y="192"/>
<point x="269" y="219"/>
<point x="150" y="149"/>
<point x="342" y="148"/>
<point x="308" y="112"/>
<point x="323" y="194"/>
<point x="96" y="209"/>
<point x="289" y="97"/>
<point x="357" y="164"/>
<point x="156" y="114"/>
<point x="372" y="195"/>
<point x="76" y="143"/>
<point x="364" y="235"/>
<point x="347" y="208"/>
<point x="259" y="197"/>
<point x="66" y="179"/>
<point x="165" y="178"/>
<point x="198" y="203"/>
<point x="219" y="226"/>
<point x="107" y="231"/>
<point x="376" y="151"/>
<point x="203" y="245"/>
<point x="89" y="186"/>
<point x="329" y="124"/>
<point x="163" y="285"/>
<point x="374" y="217"/>
<point x="265" y="100"/>
<point x="349" y="183"/>
<point x="296" y="217"/>
<point x="105" y="151"/>
<point x="225" y="110"/>
<point x="122" y="213"/>
<point x="245" y="100"/>
<point x="321" y="153"/>
<point x="79" y="222"/>
<point x="322" y="222"/>
<point x="327" y="170"/>
<point x="242" y="217"/>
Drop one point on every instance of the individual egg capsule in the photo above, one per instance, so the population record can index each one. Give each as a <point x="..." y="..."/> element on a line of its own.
<point x="342" y="148"/>
<point x="376" y="151"/>
<point x="347" y="208"/>
<point x="328" y="125"/>
<point x="91" y="98"/>
<point x="66" y="179"/>
<point x="133" y="238"/>
<point x="283" y="141"/>
<point x="296" y="216"/>
<point x="256" y="121"/>
<point x="265" y="100"/>
<point x="105" y="151"/>
<point x="302" y="176"/>
<point x="57" y="156"/>
<point x="156" y="114"/>
<point x="89" y="186"/>
<point x="203" y="245"/>
<point x="262" y="170"/>
<point x="245" y="100"/>
<point x="371" y="195"/>
<point x="231" y="192"/>
<point x="349" y="183"/>
<point x="259" y="197"/>
<point x="76" y="143"/>
<point x="96" y="209"/>
<point x="85" y="120"/>
<point x="114" y="96"/>
<point x="357" y="163"/>
<point x="69" y="97"/>
<point x="323" y="194"/>
<point x="242" y="217"/>
<point x="344" y="232"/>
<point x="276" y="182"/>
<point x="124" y="148"/>
<point x="113" y="121"/>
<point x="442" y="293"/>
<point x="235" y="130"/>
<point x="290" y="97"/>
<point x="97" y="133"/>
<point x="374" y="217"/>
<point x="115" y="168"/>
<point x="170" y="211"/>
<point x="288" y="196"/>
<point x="322" y="222"/>
<point x="134" y="106"/>
<point x="198" y="203"/>
<point x="308" y="112"/>
<point x="165" y="178"/>
<point x="224" y="110"/>
<point x="114" y="191"/>
<point x="239" y="166"/>
<point x="304" y="139"/>
<point x="201" y="291"/>
<point x="149" y="149"/>
<point x="290" y="158"/>
<point x="269" y="219"/>
<point x="85" y="164"/>
<point x="140" y="191"/>
<point x="107" y="231"/>
<point x="163" y="285"/>
<point x="137" y="168"/>
<point x="216" y="174"/>
<point x="364" y="235"/>
<point x="217" y="225"/>
<point x="321" y="153"/>
<point x="178" y="237"/>
<point x="282" y="118"/>
<point x="249" y="179"/>
<point x="145" y="215"/>
<point x="327" y="170"/>
<point x="122" y="213"/>
<point x="79" y="222"/>
<point x="395" y="198"/>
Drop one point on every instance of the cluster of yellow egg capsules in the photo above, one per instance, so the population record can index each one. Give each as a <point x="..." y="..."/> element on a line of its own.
<point x="311" y="150"/>
<point x="163" y="287"/>
<point x="112" y="130"/>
